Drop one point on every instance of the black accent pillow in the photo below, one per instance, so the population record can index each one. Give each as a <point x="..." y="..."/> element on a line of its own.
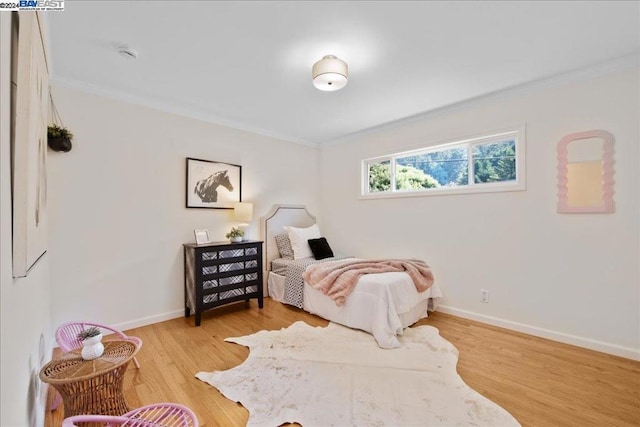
<point x="320" y="248"/>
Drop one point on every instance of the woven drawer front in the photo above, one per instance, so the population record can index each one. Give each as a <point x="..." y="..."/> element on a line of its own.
<point x="251" y="251"/>
<point x="209" y="255"/>
<point x="231" y="253"/>
<point x="231" y="280"/>
<point x="252" y="276"/>
<point x="231" y="266"/>
<point x="232" y="293"/>
<point x="251" y="264"/>
<point x="210" y="298"/>
<point x="252" y="289"/>
<point x="208" y="284"/>
<point x="210" y="269"/>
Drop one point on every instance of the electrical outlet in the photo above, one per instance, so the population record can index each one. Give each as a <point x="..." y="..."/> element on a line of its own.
<point x="484" y="295"/>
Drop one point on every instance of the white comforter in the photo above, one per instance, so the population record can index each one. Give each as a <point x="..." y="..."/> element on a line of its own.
<point x="381" y="304"/>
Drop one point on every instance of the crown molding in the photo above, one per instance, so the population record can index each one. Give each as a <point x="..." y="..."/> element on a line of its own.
<point x="624" y="62"/>
<point x="600" y="69"/>
<point x="171" y="108"/>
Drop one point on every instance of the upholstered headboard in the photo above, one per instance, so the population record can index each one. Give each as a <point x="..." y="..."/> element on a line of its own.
<point x="273" y="223"/>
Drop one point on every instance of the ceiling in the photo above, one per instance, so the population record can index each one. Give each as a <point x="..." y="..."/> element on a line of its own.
<point x="248" y="64"/>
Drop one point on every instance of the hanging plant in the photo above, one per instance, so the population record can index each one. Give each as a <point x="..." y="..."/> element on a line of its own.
<point x="59" y="138"/>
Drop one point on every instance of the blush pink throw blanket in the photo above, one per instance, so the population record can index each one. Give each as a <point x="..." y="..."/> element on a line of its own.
<point x="338" y="279"/>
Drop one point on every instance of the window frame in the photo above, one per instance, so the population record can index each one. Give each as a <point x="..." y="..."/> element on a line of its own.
<point x="519" y="184"/>
<point x="392" y="168"/>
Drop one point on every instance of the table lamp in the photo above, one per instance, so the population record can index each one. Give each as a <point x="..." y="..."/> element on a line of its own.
<point x="243" y="212"/>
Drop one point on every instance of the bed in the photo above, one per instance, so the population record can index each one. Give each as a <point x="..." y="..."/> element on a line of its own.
<point x="382" y="304"/>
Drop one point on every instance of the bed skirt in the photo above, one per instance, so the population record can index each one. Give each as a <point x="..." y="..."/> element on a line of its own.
<point x="364" y="310"/>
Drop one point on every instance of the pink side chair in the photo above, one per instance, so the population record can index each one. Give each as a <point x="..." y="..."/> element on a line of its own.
<point x="67" y="339"/>
<point x="154" y="415"/>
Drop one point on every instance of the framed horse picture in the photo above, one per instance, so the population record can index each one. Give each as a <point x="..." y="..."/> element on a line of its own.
<point x="213" y="185"/>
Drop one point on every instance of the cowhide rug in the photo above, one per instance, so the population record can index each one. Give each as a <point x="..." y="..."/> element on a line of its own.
<point x="336" y="376"/>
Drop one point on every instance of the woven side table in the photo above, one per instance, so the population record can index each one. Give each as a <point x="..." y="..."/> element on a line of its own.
<point x="91" y="386"/>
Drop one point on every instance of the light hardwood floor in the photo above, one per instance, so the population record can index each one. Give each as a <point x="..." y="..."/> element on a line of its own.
<point x="540" y="382"/>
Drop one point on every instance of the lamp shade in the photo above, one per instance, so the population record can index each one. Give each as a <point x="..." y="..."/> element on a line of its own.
<point x="330" y="73"/>
<point x="243" y="211"/>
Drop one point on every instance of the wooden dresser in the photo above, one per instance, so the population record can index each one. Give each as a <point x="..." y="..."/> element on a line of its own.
<point x="219" y="273"/>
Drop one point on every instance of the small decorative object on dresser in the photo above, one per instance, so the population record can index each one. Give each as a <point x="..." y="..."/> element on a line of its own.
<point x="235" y="235"/>
<point x="219" y="273"/>
<point x="202" y="236"/>
<point x="92" y="346"/>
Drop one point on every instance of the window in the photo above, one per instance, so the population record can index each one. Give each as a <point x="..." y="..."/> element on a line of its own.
<point x="483" y="164"/>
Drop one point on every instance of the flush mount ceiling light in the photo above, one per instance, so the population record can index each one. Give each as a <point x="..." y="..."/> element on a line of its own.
<point x="330" y="73"/>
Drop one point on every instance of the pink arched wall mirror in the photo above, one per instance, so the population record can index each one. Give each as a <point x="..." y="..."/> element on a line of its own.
<point x="585" y="172"/>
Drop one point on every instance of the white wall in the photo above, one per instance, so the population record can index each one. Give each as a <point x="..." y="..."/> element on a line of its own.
<point x="568" y="277"/>
<point x="117" y="204"/>
<point x="25" y="317"/>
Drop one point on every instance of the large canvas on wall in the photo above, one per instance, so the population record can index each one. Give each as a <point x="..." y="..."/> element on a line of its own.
<point x="30" y="146"/>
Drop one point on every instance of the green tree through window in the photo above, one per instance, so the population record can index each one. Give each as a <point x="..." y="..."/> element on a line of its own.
<point x="494" y="162"/>
<point x="410" y="178"/>
<point x="380" y="177"/>
<point x="447" y="167"/>
<point x="407" y="178"/>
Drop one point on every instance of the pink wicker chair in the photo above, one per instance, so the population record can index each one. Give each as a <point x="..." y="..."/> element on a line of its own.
<point x="154" y="415"/>
<point x="67" y="339"/>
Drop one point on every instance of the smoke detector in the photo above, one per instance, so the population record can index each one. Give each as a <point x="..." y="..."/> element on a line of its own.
<point x="128" y="53"/>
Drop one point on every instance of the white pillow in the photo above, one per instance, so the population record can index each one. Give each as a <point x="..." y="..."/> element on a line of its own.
<point x="300" y="240"/>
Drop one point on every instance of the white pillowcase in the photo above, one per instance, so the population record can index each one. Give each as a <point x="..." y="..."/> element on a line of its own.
<point x="300" y="240"/>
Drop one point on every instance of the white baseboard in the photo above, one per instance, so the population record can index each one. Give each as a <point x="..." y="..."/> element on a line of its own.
<point x="144" y="321"/>
<point x="604" y="347"/>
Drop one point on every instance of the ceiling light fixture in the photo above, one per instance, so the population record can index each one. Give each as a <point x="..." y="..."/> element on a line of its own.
<point x="330" y="73"/>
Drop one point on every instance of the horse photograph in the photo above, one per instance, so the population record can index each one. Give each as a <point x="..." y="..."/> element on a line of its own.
<point x="212" y="184"/>
<point x="206" y="188"/>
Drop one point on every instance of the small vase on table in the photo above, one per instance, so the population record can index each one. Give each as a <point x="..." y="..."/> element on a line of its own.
<point x="92" y="346"/>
